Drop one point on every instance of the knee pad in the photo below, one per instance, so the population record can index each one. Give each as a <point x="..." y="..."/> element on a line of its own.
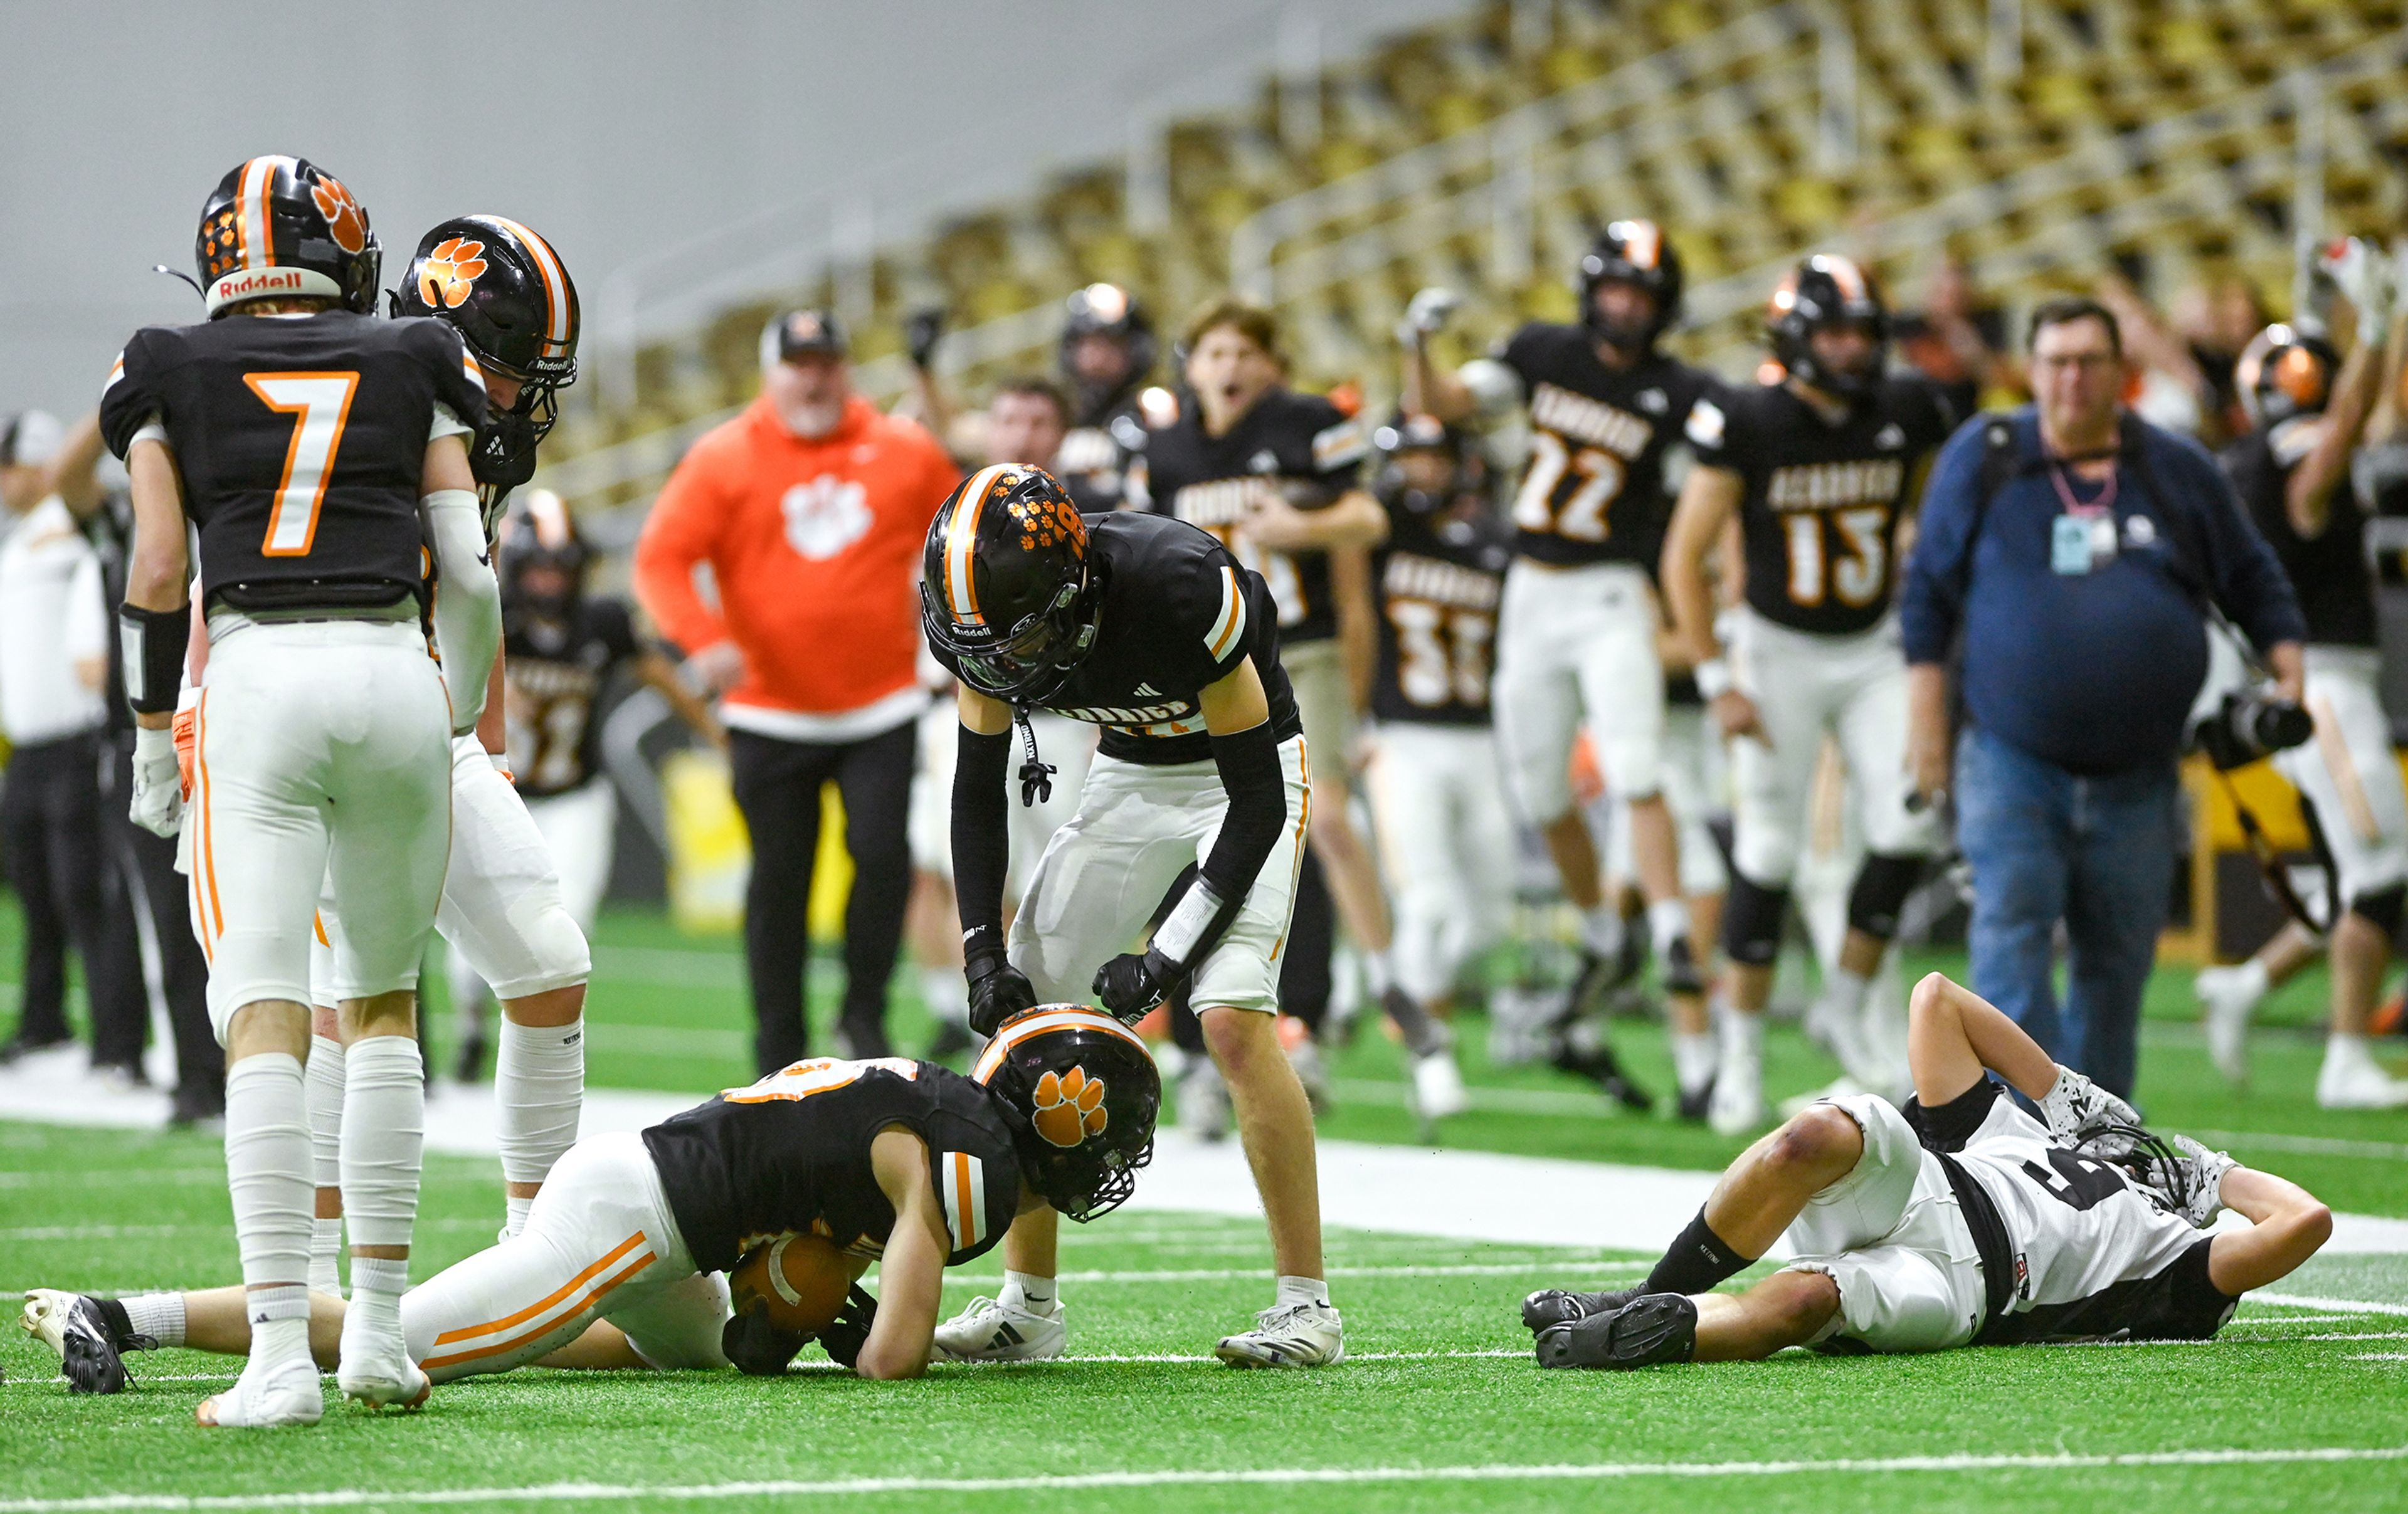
<point x="1752" y="919"/>
<point x="541" y="951"/>
<point x="2381" y="908"/>
<point x="1882" y="886"/>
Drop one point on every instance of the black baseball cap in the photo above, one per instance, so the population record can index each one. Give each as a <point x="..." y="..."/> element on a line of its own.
<point x="803" y="333"/>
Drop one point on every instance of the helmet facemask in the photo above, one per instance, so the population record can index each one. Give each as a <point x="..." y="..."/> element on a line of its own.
<point x="1032" y="659"/>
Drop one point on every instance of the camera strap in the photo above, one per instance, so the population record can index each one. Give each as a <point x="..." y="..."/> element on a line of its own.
<point x="2277" y="877"/>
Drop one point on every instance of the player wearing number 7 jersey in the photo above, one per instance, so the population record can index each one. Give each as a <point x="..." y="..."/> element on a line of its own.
<point x="1822" y="467"/>
<point x="320" y="454"/>
<point x="1577" y="632"/>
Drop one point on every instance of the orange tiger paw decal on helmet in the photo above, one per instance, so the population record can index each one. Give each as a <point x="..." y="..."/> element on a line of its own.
<point x="450" y="272"/>
<point x="346" y="223"/>
<point x="1070" y="1107"/>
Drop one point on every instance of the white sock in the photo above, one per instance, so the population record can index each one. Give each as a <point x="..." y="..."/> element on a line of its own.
<point x="1028" y="1291"/>
<point x="279" y="1336"/>
<point x="1378" y="974"/>
<point x="538" y="1087"/>
<point x="267" y="1171"/>
<point x="2251" y="976"/>
<point x="1602" y="928"/>
<point x="384" y="1134"/>
<point x="1693" y="1058"/>
<point x="1300" y="1291"/>
<point x="326" y="1256"/>
<point x="377" y="1286"/>
<point x="159" y="1316"/>
<point x="1667" y="921"/>
<point x="1742" y="1032"/>
<point x="1844" y="992"/>
<point x="945" y="994"/>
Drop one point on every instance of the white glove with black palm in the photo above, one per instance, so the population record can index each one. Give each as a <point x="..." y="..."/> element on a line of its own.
<point x="1426" y="314"/>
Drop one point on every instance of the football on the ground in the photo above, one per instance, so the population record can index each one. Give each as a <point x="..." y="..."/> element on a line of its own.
<point x="803" y="1278"/>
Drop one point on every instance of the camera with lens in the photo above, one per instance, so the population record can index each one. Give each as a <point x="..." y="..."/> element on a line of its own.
<point x="2251" y="723"/>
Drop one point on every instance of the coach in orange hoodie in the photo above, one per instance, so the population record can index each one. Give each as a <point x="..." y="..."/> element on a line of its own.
<point x="809" y="508"/>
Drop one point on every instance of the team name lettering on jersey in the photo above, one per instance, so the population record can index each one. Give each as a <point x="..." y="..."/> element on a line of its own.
<point x="1593" y="421"/>
<point x="1820" y="486"/>
<point x="1411" y="577"/>
<point x="1133" y="715"/>
<point x="1221" y="503"/>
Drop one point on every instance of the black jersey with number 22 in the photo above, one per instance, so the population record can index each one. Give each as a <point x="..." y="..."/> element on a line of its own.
<point x="790" y="1155"/>
<point x="1822" y="500"/>
<point x="300" y="441"/>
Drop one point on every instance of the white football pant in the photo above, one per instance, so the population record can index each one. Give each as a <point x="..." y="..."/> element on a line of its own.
<point x="1446" y="845"/>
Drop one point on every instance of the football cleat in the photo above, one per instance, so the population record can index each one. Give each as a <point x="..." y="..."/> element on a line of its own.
<point x="1288" y="1335"/>
<point x="1650" y="1330"/>
<point x="2356" y="1081"/>
<point x="1551" y="1306"/>
<point x="267" y="1397"/>
<point x="990" y="1330"/>
<point x="1203" y="1101"/>
<point x="2074" y="1109"/>
<point x="1695" y="1101"/>
<point x="375" y="1367"/>
<point x="1438" y="1085"/>
<point x="1736" y="1107"/>
<point x="1681" y="973"/>
<point x="1582" y="1051"/>
<point x="2227" y="995"/>
<point x="90" y="1347"/>
<point x="1312" y="1073"/>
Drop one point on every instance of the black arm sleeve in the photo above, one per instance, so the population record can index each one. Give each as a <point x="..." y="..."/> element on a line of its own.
<point x="1249" y="762"/>
<point x="982" y="839"/>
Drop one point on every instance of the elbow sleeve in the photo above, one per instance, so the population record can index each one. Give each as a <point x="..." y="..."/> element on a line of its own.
<point x="982" y="839"/>
<point x="1249" y="762"/>
<point x="467" y="602"/>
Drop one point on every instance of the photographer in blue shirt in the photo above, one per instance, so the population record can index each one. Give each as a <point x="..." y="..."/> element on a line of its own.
<point x="2080" y="553"/>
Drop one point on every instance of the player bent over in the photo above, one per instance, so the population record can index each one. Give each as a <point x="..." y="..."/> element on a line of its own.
<point x="1961" y="1220"/>
<point x="1197" y="798"/>
<point x="319" y="453"/>
<point x="906" y="1163"/>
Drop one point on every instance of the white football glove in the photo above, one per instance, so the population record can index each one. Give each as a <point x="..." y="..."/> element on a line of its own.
<point x="2365" y="279"/>
<point x="1428" y="313"/>
<point x="158" y="805"/>
<point x="2075" y="1108"/>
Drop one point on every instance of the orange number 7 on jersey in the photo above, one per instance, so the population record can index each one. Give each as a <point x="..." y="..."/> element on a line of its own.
<point x="321" y="403"/>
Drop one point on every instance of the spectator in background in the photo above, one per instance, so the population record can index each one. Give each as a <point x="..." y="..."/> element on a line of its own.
<point x="54" y="683"/>
<point x="809" y="508"/>
<point x="2078" y="550"/>
<point x="2182" y="366"/>
<point x="1956" y="342"/>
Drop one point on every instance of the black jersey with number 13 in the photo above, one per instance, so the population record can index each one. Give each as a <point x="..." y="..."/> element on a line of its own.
<point x="300" y="440"/>
<point x="1594" y="489"/>
<point x="1822" y="500"/>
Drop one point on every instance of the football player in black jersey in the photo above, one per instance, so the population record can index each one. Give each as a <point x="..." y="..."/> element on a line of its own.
<point x="1446" y="840"/>
<point x="1198" y="799"/>
<point x="1577" y="632"/>
<point x="1106" y="354"/>
<point x="1275" y="477"/>
<point x="1822" y="468"/>
<point x="320" y="454"/>
<point x="901" y="1162"/>
<point x="2307" y="410"/>
<point x="1958" y="1219"/>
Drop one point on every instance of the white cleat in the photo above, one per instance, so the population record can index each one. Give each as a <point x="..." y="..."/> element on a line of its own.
<point x="990" y="1330"/>
<point x="2227" y="997"/>
<point x="2356" y="1082"/>
<point x="1313" y="1073"/>
<point x="1736" y="1105"/>
<point x="1438" y="1085"/>
<point x="267" y="1397"/>
<point x="1288" y="1335"/>
<point x="376" y="1370"/>
<point x="1203" y="1101"/>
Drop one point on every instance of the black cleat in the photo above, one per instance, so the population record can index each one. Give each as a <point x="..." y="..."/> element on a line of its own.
<point x="1583" y="1054"/>
<point x="89" y="1343"/>
<point x="1680" y="975"/>
<point x="1562" y="1306"/>
<point x="1651" y="1329"/>
<point x="1695" y="1101"/>
<point x="470" y="1067"/>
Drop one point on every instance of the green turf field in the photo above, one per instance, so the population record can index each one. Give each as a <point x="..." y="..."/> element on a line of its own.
<point x="1440" y="1408"/>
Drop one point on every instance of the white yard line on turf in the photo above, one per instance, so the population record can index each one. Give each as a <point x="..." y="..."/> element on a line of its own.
<point x="1400" y="1269"/>
<point x="588" y="1492"/>
<point x="2316" y="1301"/>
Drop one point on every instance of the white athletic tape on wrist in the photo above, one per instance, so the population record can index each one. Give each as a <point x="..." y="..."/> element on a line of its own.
<point x="1179" y="936"/>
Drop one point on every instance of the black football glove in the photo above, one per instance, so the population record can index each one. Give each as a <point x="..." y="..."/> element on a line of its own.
<point x="922" y="329"/>
<point x="998" y="991"/>
<point x="758" y="1347"/>
<point x="1135" y="981"/>
<point x="849" y="1331"/>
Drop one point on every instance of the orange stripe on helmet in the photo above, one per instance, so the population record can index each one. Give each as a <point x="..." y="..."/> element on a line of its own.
<point x="1845" y="273"/>
<point x="251" y="224"/>
<point x="961" y="546"/>
<point x="555" y="281"/>
<point x="1044" y="1021"/>
<point x="1642" y="243"/>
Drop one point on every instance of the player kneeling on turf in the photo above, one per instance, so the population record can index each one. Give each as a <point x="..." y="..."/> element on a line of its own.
<point x="792" y="1186"/>
<point x="1961" y="1220"/>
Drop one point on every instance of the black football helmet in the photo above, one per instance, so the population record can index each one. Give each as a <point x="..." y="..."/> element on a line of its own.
<point x="1081" y="1094"/>
<point x="1105" y="310"/>
<point x="1467" y="465"/>
<point x="1631" y="252"/>
<point x="2285" y="372"/>
<point x="1005" y="586"/>
<point x="284" y="228"/>
<point x="1827" y="290"/>
<point x="539" y="532"/>
<point x="511" y="299"/>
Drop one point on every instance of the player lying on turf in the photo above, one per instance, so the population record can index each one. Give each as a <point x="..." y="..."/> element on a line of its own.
<point x="1961" y="1220"/>
<point x="792" y="1186"/>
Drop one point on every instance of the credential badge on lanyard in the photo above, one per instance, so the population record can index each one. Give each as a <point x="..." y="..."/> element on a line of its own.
<point x="2083" y="539"/>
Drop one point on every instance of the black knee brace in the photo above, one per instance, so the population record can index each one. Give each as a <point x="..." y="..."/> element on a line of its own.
<point x="2381" y="908"/>
<point x="1752" y="919"/>
<point x="1882" y="884"/>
